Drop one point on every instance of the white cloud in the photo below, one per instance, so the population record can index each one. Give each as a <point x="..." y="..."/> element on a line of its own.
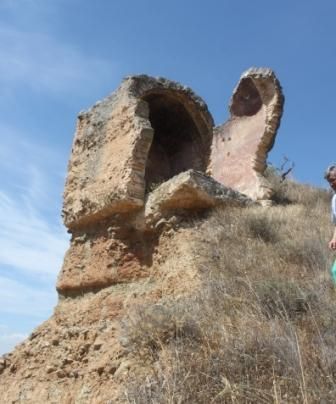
<point x="31" y="243"/>
<point x="20" y="299"/>
<point x="40" y="62"/>
<point x="18" y="153"/>
<point x="9" y="341"/>
<point x="33" y="240"/>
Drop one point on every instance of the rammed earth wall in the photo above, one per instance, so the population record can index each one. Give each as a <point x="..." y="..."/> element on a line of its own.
<point x="241" y="145"/>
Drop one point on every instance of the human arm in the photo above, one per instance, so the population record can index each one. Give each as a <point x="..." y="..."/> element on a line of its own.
<point x="332" y="242"/>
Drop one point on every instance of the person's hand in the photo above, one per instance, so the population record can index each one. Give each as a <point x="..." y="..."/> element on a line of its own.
<point x="332" y="244"/>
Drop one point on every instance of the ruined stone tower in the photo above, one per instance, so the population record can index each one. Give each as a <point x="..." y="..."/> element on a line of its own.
<point x="240" y="146"/>
<point x="143" y="161"/>
<point x="150" y="130"/>
<point x="145" y="133"/>
<point x="142" y="153"/>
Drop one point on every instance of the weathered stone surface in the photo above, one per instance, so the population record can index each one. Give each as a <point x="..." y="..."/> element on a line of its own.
<point x="240" y="146"/>
<point x="120" y="249"/>
<point x="112" y="251"/>
<point x="190" y="190"/>
<point x="146" y="132"/>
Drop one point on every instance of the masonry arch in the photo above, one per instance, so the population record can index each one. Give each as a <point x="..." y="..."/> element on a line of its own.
<point x="177" y="144"/>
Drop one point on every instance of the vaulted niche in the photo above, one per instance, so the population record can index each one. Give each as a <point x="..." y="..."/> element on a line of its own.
<point x="176" y="146"/>
<point x="246" y="100"/>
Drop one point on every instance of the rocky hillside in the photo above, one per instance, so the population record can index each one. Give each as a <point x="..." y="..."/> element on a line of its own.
<point x="178" y="286"/>
<point x="235" y="305"/>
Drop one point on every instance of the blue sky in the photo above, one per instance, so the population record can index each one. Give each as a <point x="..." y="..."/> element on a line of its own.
<point x="58" y="57"/>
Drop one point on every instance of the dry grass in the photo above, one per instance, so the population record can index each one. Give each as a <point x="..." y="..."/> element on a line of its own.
<point x="262" y="327"/>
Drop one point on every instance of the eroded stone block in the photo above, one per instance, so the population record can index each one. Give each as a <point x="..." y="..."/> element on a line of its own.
<point x="190" y="190"/>
<point x="146" y="132"/>
<point x="114" y="252"/>
<point x="240" y="146"/>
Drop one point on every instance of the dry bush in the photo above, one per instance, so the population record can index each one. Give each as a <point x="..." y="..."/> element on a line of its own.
<point x="284" y="299"/>
<point x="148" y="328"/>
<point x="231" y="359"/>
<point x="306" y="195"/>
<point x="307" y="253"/>
<point x="287" y="191"/>
<point x="262" y="227"/>
<point x="261" y="328"/>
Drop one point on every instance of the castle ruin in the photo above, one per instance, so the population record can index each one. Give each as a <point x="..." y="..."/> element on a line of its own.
<point x="143" y="162"/>
<point x="149" y="150"/>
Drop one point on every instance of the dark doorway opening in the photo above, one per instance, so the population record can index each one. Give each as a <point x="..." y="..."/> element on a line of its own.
<point x="246" y="100"/>
<point x="176" y="145"/>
